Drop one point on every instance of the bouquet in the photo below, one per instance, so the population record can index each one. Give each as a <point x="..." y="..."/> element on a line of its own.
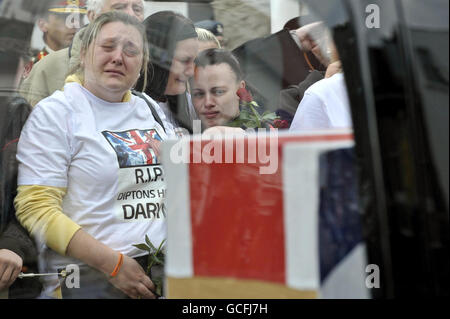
<point x="249" y="116"/>
<point x="156" y="256"/>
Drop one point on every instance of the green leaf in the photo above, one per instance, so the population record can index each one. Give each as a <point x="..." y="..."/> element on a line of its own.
<point x="155" y="256"/>
<point x="257" y="117"/>
<point x="149" y="267"/>
<point x="244" y="115"/>
<point x="251" y="124"/>
<point x="158" y="285"/>
<point x="162" y="258"/>
<point x="234" y="123"/>
<point x="270" y="116"/>
<point x="157" y="261"/>
<point x="160" y="247"/>
<point x="149" y="243"/>
<point x="142" y="247"/>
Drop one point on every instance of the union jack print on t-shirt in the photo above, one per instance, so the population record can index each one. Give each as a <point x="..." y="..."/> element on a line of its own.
<point x="135" y="147"/>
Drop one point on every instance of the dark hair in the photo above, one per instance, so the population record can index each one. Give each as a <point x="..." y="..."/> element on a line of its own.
<point x="217" y="56"/>
<point x="164" y="30"/>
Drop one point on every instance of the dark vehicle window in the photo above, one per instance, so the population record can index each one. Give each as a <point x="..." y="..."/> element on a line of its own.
<point x="374" y="73"/>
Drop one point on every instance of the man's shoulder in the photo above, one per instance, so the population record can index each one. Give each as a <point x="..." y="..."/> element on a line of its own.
<point x="46" y="76"/>
<point x="322" y="87"/>
<point x="58" y="60"/>
<point x="54" y="59"/>
<point x="39" y="55"/>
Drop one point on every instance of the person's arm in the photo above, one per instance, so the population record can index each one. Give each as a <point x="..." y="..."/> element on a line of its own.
<point x="38" y="208"/>
<point x="16" y="246"/>
<point x="16" y="249"/>
<point x="44" y="154"/>
<point x="313" y="37"/>
<point x="10" y="267"/>
<point x="131" y="278"/>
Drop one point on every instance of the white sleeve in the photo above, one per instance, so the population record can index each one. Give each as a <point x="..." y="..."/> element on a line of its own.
<point x="44" y="151"/>
<point x="310" y="114"/>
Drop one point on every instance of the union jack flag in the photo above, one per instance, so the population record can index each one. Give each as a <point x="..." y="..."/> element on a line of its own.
<point x="135" y="147"/>
<point x="295" y="233"/>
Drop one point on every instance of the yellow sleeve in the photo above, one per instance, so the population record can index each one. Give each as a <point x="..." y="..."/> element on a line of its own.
<point x="38" y="209"/>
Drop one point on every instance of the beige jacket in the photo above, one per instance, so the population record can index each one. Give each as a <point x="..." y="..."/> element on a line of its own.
<point x="48" y="75"/>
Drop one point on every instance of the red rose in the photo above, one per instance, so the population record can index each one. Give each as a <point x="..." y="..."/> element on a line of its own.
<point x="244" y="95"/>
<point x="280" y="123"/>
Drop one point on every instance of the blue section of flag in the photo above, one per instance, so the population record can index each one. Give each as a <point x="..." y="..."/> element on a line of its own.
<point x="339" y="216"/>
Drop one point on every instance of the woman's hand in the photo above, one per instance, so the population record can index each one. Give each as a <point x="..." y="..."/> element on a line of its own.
<point x="132" y="280"/>
<point x="10" y="267"/>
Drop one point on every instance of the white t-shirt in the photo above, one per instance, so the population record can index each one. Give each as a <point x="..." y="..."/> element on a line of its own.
<point x="106" y="154"/>
<point x="324" y="105"/>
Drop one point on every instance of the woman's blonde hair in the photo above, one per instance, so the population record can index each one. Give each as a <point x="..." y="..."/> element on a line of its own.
<point x="93" y="29"/>
<point x="207" y="36"/>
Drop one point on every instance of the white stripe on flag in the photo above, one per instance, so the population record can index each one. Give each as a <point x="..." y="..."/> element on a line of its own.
<point x="179" y="241"/>
<point x="301" y="200"/>
<point x="301" y="208"/>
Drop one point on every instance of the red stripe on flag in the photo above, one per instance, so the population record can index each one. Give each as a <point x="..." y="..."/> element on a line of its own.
<point x="237" y="213"/>
<point x="237" y="221"/>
